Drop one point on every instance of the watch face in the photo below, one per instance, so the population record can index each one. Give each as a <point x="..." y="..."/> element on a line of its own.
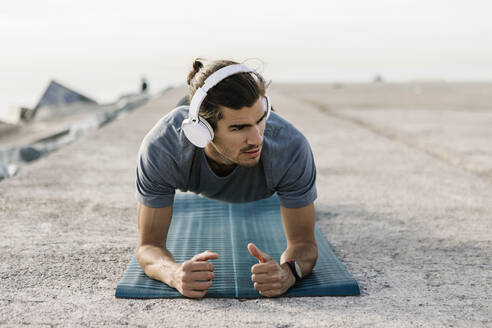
<point x="298" y="270"/>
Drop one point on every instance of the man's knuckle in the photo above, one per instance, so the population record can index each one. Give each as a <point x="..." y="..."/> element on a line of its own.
<point x="203" y="285"/>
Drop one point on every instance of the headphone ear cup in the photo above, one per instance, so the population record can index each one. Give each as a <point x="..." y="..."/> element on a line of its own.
<point x="208" y="126"/>
<point x="200" y="133"/>
<point x="266" y="103"/>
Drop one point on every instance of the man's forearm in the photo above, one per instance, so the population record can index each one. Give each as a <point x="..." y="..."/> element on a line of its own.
<point x="304" y="254"/>
<point x="157" y="263"/>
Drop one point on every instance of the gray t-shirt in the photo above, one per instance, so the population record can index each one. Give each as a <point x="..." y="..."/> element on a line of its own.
<point x="168" y="161"/>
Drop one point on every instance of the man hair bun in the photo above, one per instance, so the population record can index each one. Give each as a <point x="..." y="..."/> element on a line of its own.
<point x="197" y="65"/>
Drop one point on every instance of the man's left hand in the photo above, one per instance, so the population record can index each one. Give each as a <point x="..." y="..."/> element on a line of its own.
<point x="270" y="278"/>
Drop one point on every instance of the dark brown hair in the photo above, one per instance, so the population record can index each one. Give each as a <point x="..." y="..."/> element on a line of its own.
<point x="235" y="92"/>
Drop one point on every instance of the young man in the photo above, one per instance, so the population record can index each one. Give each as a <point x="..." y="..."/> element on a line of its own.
<point x="226" y="145"/>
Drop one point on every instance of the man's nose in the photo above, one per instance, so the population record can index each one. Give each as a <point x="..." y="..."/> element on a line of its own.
<point x="255" y="136"/>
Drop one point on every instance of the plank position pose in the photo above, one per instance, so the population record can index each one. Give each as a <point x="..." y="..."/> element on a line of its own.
<point x="227" y="145"/>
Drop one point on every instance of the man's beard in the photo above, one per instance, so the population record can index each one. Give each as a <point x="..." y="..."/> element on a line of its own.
<point x="226" y="156"/>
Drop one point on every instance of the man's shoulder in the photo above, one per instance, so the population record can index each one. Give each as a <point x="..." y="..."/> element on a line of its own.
<point x="289" y="163"/>
<point x="166" y="136"/>
<point x="281" y="135"/>
<point x="160" y="169"/>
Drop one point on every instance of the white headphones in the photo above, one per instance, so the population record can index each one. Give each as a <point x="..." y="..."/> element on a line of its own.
<point x="196" y="128"/>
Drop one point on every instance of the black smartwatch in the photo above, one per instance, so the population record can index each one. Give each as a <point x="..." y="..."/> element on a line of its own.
<point x="296" y="269"/>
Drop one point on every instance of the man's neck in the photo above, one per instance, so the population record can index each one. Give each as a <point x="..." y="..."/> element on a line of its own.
<point x="217" y="163"/>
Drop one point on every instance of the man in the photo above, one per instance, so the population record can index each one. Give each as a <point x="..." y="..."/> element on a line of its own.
<point x="226" y="145"/>
<point x="144" y="85"/>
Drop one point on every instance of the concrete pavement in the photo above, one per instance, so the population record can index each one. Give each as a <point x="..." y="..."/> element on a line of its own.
<point x="413" y="228"/>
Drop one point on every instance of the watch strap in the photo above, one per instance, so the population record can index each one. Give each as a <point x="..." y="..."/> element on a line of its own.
<point x="292" y="266"/>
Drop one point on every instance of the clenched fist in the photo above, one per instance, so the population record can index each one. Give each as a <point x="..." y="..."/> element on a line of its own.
<point x="194" y="276"/>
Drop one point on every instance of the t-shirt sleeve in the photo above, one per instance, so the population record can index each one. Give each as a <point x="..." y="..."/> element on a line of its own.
<point x="297" y="183"/>
<point x="155" y="185"/>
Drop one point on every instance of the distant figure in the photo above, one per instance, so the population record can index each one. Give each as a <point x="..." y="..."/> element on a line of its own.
<point x="144" y="85"/>
<point x="377" y="79"/>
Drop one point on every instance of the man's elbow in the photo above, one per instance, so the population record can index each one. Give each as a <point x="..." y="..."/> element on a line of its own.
<point x="141" y="252"/>
<point x="146" y="254"/>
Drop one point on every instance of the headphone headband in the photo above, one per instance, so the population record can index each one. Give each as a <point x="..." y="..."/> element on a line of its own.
<point x="210" y="82"/>
<point x="196" y="129"/>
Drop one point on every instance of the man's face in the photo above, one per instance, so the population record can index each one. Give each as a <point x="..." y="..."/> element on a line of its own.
<point x="239" y="135"/>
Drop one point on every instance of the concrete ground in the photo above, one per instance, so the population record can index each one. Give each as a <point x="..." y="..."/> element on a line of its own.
<point x="404" y="186"/>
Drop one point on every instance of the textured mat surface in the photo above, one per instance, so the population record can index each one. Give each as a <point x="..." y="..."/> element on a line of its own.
<point x="199" y="224"/>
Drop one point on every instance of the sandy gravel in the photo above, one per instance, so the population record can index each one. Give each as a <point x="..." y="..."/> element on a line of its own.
<point x="414" y="227"/>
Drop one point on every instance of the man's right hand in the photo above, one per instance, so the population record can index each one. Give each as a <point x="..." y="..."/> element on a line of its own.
<point x="194" y="276"/>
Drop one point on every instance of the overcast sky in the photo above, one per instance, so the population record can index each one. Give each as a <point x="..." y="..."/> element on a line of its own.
<point x="103" y="47"/>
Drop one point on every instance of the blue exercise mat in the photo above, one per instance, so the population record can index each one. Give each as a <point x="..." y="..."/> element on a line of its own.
<point x="199" y="224"/>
